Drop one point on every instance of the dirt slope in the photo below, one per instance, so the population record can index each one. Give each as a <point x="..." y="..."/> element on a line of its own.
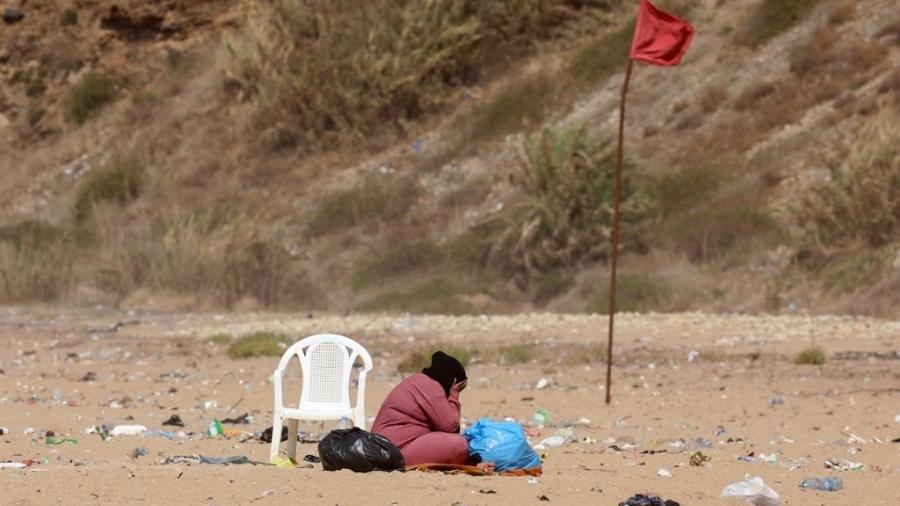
<point x="752" y="109"/>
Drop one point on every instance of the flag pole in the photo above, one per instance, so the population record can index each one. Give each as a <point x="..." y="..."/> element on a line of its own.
<point x="614" y="254"/>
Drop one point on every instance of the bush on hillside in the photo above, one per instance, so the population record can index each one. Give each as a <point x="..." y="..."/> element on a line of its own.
<point x="88" y="96"/>
<point x="568" y="184"/>
<point x="35" y="262"/>
<point x="321" y="71"/>
<point x="858" y="207"/>
<point x="118" y="182"/>
<point x="604" y="56"/>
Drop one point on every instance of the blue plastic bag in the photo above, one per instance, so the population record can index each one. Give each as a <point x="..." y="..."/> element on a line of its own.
<point x="502" y="443"/>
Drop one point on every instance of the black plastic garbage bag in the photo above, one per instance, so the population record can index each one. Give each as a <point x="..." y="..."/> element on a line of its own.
<point x="359" y="451"/>
<point x="266" y="435"/>
<point x="646" y="500"/>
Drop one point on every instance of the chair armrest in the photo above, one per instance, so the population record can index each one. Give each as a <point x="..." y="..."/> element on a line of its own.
<point x="276" y="381"/>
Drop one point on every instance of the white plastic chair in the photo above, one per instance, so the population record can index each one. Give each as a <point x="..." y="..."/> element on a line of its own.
<point x="326" y="361"/>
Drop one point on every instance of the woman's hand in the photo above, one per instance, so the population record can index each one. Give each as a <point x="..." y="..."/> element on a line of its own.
<point x="459" y="386"/>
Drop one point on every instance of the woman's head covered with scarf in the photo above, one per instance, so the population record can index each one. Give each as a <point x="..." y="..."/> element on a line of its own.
<point x="446" y="370"/>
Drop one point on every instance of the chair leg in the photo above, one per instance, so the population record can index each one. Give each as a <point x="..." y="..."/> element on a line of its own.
<point x="359" y="419"/>
<point x="292" y="438"/>
<point x="276" y="435"/>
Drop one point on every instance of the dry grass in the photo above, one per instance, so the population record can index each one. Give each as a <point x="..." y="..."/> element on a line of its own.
<point x="323" y="71"/>
<point x="120" y="181"/>
<point x="713" y="98"/>
<point x="414" y="257"/>
<point x="772" y="17"/>
<point x="858" y="207"/>
<point x="220" y="259"/>
<point x="634" y="293"/>
<point x="823" y="66"/>
<point x="522" y="104"/>
<point x="377" y="198"/>
<point x="515" y="354"/>
<point x="829" y="56"/>
<point x="435" y="295"/>
<point x="843" y="12"/>
<point x="751" y="95"/>
<point x="709" y="209"/>
<point x="35" y="264"/>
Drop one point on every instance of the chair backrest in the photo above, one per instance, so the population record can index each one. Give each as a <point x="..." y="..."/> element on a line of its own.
<point x="326" y="361"/>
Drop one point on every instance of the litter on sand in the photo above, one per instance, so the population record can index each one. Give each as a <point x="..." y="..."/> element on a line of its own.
<point x="203" y="459"/>
<point x="647" y="500"/>
<point x="828" y="484"/>
<point x="754" y="491"/>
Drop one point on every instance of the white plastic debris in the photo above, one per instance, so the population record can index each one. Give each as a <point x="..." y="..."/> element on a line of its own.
<point x="771" y="458"/>
<point x="551" y="441"/>
<point x="754" y="491"/>
<point x="210" y="404"/>
<point x="542" y="384"/>
<point x="127" y="430"/>
<point x="692" y="355"/>
<point x="665" y="473"/>
<point x="12" y="465"/>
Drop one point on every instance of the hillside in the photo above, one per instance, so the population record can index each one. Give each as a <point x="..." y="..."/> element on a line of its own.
<point x="447" y="156"/>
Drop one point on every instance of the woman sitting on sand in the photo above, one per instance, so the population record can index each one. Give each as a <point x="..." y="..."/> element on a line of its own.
<point x="421" y="414"/>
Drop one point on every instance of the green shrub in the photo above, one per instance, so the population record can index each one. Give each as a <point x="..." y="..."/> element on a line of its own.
<point x="90" y="95"/>
<point x="221" y="338"/>
<point x="604" y="56"/>
<point x="634" y="293"/>
<point x="419" y="359"/>
<point x="568" y="184"/>
<point x="515" y="354"/>
<point x="118" y="182"/>
<point x="812" y="355"/>
<point x="772" y="17"/>
<point x="69" y="17"/>
<point x="259" y="344"/>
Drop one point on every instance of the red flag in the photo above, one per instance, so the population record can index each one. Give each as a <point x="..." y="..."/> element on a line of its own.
<point x="659" y="37"/>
